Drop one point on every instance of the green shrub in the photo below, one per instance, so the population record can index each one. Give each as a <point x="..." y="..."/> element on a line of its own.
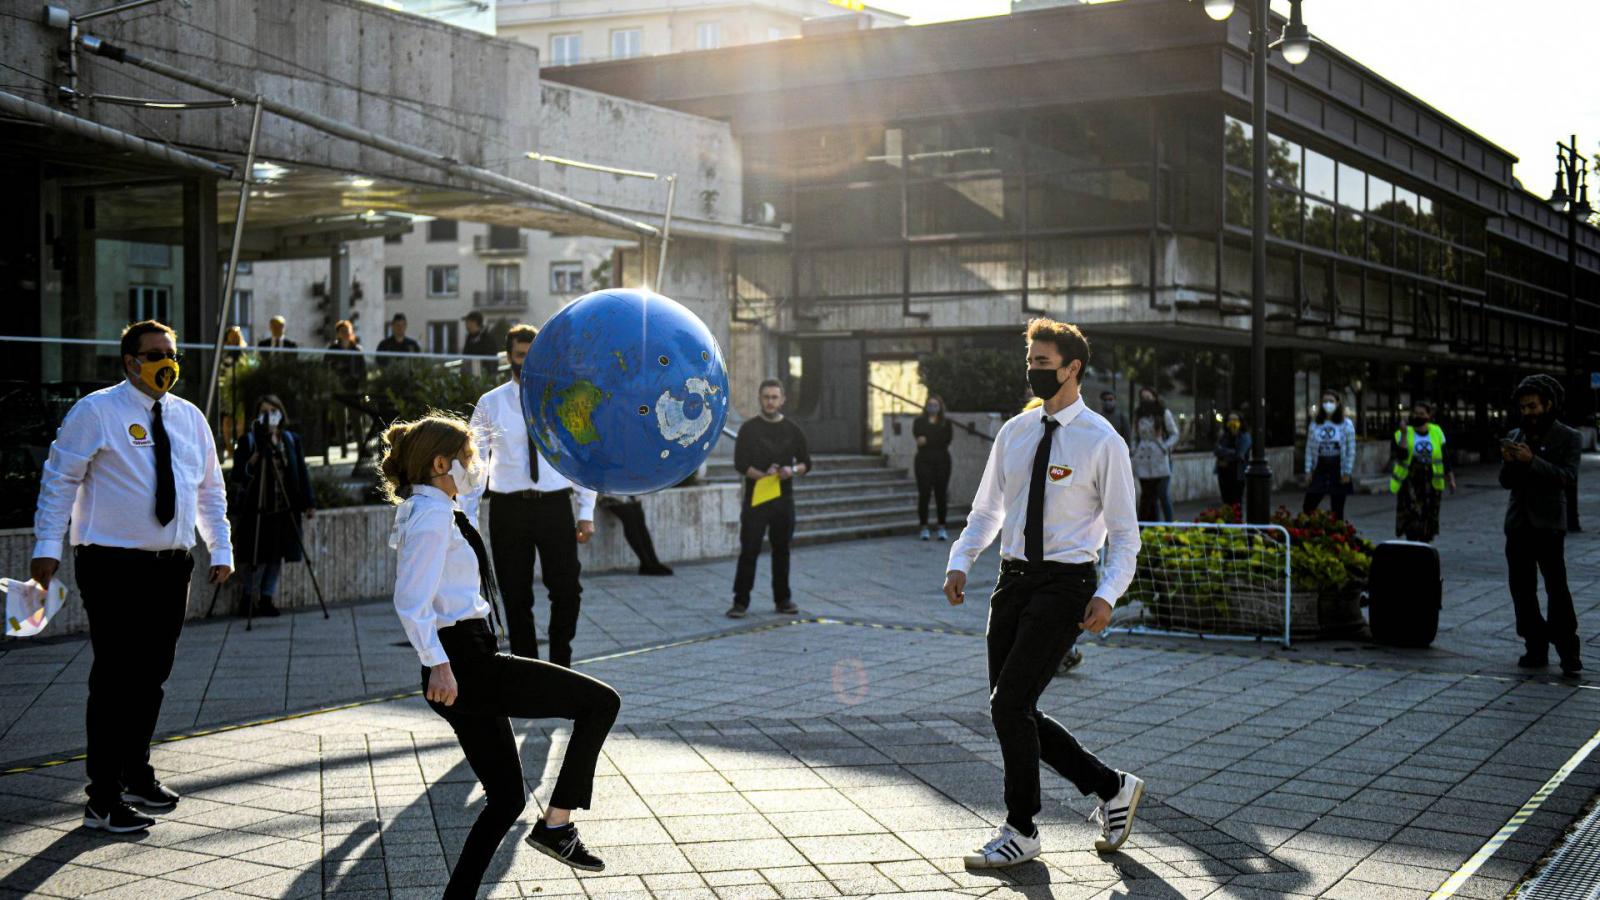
<point x="976" y="379"/>
<point x="407" y="389"/>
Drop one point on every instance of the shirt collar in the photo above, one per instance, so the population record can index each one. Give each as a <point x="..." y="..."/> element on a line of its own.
<point x="1065" y="416"/>
<point x="145" y="401"/>
<point x="432" y="493"/>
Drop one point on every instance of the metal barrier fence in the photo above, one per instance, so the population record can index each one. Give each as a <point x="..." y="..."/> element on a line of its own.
<point x="1212" y="580"/>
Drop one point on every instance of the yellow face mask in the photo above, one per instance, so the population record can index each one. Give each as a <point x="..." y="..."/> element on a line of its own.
<point x="159" y="376"/>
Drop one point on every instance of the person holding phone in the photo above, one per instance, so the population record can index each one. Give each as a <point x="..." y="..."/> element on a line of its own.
<point x="443" y="591"/>
<point x="1421" y="470"/>
<point x="1539" y="460"/>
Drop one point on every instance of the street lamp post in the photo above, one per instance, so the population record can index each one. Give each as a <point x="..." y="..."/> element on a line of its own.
<point x="1296" y="46"/>
<point x="1571" y="198"/>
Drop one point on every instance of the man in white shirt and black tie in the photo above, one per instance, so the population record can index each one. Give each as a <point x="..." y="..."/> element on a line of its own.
<point x="135" y="471"/>
<point x="531" y="515"/>
<point x="1058" y="486"/>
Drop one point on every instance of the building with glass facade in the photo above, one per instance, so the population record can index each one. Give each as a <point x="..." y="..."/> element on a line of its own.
<point x="945" y="183"/>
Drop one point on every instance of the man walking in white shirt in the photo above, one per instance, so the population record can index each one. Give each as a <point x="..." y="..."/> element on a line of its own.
<point x="531" y="514"/>
<point x="117" y="449"/>
<point x="1057" y="487"/>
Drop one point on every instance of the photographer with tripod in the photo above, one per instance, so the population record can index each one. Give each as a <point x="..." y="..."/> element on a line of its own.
<point x="272" y="490"/>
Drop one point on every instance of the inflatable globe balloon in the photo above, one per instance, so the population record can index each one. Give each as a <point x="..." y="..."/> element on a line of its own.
<point x="625" y="391"/>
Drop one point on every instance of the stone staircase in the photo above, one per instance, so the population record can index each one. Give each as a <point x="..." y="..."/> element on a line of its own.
<point x="851" y="496"/>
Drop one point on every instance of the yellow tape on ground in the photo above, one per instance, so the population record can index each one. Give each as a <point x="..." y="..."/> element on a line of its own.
<point x="1488" y="850"/>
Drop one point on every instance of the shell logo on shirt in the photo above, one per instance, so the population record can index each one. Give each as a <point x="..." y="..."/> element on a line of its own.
<point x="139" y="436"/>
<point x="1059" y="473"/>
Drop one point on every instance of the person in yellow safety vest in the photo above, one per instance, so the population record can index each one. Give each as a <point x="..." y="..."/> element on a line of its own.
<point x="1421" y="470"/>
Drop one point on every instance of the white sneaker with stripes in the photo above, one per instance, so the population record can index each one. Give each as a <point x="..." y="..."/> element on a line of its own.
<point x="1116" y="815"/>
<point x="1006" y="847"/>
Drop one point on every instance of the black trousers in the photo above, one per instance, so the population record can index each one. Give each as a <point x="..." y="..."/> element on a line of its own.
<point x="521" y="529"/>
<point x="631" y="514"/>
<point x="492" y="686"/>
<point x="135" y="601"/>
<point x="933" y="477"/>
<point x="774" y="518"/>
<point x="1231" y="486"/>
<point x="1033" y="622"/>
<point x="1327" y="481"/>
<point x="1530" y="551"/>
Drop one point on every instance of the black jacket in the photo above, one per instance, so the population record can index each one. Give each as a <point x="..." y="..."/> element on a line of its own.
<point x="1539" y="488"/>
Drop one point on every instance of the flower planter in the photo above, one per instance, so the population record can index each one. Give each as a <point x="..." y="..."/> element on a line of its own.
<point x="1251" y="611"/>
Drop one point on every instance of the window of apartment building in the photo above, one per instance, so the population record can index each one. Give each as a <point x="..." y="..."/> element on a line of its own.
<point x="440" y="230"/>
<point x="242" y="313"/>
<point x="150" y="301"/>
<point x="392" y="238"/>
<point x="708" y="35"/>
<point x="566" y="49"/>
<point x="393" y="282"/>
<point x="442" y="336"/>
<point x="504" y="237"/>
<point x="245" y="267"/>
<point x="444" y="281"/>
<point x="626" y="43"/>
<point x="566" y="278"/>
<point x="504" y="279"/>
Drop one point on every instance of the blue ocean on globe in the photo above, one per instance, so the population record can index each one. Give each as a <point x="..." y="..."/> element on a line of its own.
<point x="625" y="391"/>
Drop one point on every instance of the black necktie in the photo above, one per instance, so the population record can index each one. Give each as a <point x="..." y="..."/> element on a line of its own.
<point x="1033" y="531"/>
<point x="486" y="581"/>
<point x="533" y="449"/>
<point x="166" y="493"/>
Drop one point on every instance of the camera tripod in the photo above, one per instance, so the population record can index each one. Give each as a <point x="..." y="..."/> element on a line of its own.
<point x="281" y="496"/>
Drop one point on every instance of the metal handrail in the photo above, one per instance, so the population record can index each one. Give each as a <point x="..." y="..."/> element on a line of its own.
<point x="968" y="427"/>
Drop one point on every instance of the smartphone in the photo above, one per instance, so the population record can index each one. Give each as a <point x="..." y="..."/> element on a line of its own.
<point x="1508" y="442"/>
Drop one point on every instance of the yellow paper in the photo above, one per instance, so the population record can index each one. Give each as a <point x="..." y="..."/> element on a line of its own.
<point x="767" y="488"/>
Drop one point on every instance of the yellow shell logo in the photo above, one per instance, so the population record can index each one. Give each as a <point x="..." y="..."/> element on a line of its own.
<point x="137" y="432"/>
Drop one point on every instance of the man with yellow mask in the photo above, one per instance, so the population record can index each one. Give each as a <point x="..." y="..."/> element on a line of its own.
<point x="134" y="469"/>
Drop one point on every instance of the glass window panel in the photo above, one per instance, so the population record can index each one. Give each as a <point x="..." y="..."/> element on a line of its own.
<point x="1352" y="187"/>
<point x="1380" y="195"/>
<point x="1380" y="242"/>
<point x="1405" y="206"/>
<point x="1080" y="199"/>
<point x="1432" y="256"/>
<point x="1097" y="137"/>
<point x="1236" y="143"/>
<point x="1319" y="224"/>
<point x="847" y="213"/>
<point x="1283" y="161"/>
<point x="1352" y="239"/>
<point x="1406" y="253"/>
<point x="1239" y="208"/>
<point x="952" y="147"/>
<point x="964" y="205"/>
<point x="1284" y="221"/>
<point x="1320" y="176"/>
<point x="1425" y="217"/>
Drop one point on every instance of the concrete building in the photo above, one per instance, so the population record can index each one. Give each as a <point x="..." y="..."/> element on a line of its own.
<point x="569" y="32"/>
<point x="943" y="183"/>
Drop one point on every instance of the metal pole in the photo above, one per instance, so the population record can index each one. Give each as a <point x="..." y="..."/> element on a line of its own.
<point x="666" y="231"/>
<point x="233" y="258"/>
<point x="372" y="139"/>
<point x="1569" y="161"/>
<point x="1258" y="473"/>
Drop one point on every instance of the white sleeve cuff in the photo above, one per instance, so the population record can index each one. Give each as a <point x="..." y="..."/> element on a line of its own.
<point x="44" y="549"/>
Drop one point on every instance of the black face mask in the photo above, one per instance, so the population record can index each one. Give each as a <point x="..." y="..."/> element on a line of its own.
<point x="1043" y="383"/>
<point x="1419" y="422"/>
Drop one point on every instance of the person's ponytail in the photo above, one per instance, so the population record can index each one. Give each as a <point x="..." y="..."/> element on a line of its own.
<point x="411" y="447"/>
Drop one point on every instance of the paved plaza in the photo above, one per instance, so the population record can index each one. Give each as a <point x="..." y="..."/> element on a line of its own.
<point x="846" y="751"/>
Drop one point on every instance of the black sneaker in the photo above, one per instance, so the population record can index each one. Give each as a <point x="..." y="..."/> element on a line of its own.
<point x="562" y="845"/>
<point x="1571" y="667"/>
<point x="1532" y="660"/>
<point x="738" y="612"/>
<point x="787" y="608"/>
<point x="116" y="817"/>
<point x="154" y="795"/>
<point x="265" y="609"/>
<point x="659" y="569"/>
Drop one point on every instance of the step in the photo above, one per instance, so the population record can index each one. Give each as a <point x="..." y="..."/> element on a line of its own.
<point x="906" y="526"/>
<point x="849" y="489"/>
<point x="823" y="475"/>
<point x="886" y="513"/>
<point x="905" y="498"/>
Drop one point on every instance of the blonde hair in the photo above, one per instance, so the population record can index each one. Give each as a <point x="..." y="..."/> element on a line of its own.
<point x="411" y="447"/>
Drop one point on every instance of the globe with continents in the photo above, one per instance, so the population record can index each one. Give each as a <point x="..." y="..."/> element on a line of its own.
<point x="625" y="391"/>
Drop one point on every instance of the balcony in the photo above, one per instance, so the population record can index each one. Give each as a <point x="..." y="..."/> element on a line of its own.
<point x="500" y="245"/>
<point x="500" y="301"/>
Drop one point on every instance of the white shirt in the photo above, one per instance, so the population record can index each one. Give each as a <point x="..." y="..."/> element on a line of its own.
<point x="503" y="444"/>
<point x="1088" y="497"/>
<point x="436" y="574"/>
<point x="101" y="476"/>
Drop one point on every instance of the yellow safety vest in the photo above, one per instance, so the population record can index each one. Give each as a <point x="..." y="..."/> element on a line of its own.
<point x="1402" y="466"/>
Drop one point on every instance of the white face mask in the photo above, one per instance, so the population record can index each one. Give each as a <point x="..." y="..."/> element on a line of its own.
<point x="272" y="417"/>
<point x="467" y="480"/>
<point x="1329" y="407"/>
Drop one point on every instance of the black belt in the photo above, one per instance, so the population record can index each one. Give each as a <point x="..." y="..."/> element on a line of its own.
<point x="1048" y="567"/>
<point x="531" y="494"/>
<point x="174" y="553"/>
